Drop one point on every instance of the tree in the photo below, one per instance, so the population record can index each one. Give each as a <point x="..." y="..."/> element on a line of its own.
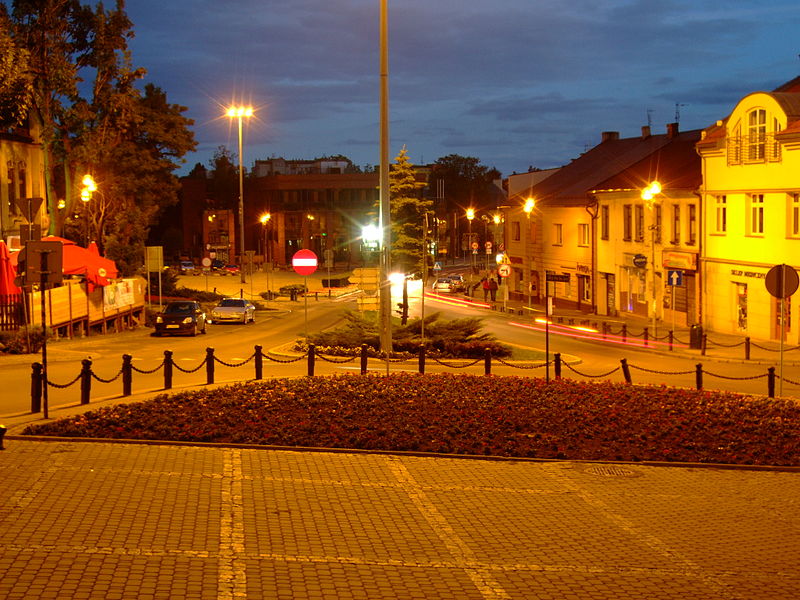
<point x="16" y="82"/>
<point x="223" y="185"/>
<point x="408" y="209"/>
<point x="467" y="183"/>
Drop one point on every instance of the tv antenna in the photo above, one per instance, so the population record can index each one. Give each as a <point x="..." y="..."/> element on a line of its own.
<point x="649" y="117"/>
<point x="678" y="111"/>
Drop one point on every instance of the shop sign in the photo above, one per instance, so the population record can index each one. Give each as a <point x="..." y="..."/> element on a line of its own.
<point x="673" y="259"/>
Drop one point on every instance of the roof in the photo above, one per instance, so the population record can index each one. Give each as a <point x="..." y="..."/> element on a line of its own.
<point x="623" y="163"/>
<point x="676" y="165"/>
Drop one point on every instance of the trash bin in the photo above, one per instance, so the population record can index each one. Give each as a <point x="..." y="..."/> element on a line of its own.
<point x="696" y="337"/>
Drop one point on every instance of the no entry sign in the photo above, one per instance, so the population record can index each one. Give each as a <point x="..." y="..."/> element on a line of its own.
<point x="304" y="262"/>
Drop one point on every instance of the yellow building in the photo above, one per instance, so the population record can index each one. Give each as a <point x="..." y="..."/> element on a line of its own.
<point x="751" y="222"/>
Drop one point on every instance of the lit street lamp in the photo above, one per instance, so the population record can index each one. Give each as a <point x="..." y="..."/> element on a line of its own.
<point x="528" y="208"/>
<point x="89" y="186"/>
<point x="648" y="195"/>
<point x="238" y="112"/>
<point x="265" y="218"/>
<point x="470" y="249"/>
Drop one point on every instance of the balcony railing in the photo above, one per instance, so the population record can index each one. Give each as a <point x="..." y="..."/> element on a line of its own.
<point x="746" y="150"/>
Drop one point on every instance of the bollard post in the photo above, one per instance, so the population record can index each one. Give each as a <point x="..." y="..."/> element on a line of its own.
<point x="698" y="376"/>
<point x="421" y="356"/>
<point x="703" y="345"/>
<point x="36" y="387"/>
<point x="771" y="382"/>
<point x="646" y="335"/>
<point x="316" y="296"/>
<point x="3" y="430"/>
<point x="86" y="380"/>
<point x="259" y="360"/>
<point x="747" y="348"/>
<point x="210" y="366"/>
<point x="127" y="374"/>
<point x="626" y="370"/>
<point x="364" y="359"/>
<point x="167" y="369"/>
<point x="605" y="329"/>
<point x="311" y="351"/>
<point x="487" y="361"/>
<point x="624" y="332"/>
<point x="671" y="339"/>
<point x="557" y="364"/>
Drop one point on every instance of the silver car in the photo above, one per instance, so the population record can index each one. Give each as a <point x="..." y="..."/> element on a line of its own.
<point x="233" y="310"/>
<point x="443" y="284"/>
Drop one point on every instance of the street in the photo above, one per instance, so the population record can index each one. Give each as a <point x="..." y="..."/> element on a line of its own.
<point x="274" y="329"/>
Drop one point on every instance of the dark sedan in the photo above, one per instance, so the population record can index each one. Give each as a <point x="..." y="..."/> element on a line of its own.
<point x="184" y="317"/>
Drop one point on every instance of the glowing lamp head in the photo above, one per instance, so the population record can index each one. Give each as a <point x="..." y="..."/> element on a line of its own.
<point x="265" y="218"/>
<point x="528" y="206"/>
<point x="240" y="111"/>
<point x="470" y="214"/>
<point x="88" y="183"/>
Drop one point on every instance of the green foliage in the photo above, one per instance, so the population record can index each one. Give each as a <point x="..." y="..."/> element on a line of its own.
<point x="408" y="209"/>
<point x="455" y="338"/>
<point x="26" y="338"/>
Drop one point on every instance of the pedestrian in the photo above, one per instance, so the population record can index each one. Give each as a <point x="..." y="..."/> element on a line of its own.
<point x="485" y="286"/>
<point x="493" y="288"/>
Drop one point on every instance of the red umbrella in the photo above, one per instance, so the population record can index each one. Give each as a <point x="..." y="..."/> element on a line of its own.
<point x="82" y="261"/>
<point x="7" y="272"/>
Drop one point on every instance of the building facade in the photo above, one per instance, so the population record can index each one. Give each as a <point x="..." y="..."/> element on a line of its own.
<point x="751" y="201"/>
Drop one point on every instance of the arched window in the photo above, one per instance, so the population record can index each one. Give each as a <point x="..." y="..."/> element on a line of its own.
<point x="756" y="134"/>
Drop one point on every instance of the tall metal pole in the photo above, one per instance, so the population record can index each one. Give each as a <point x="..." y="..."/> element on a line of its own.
<point x="385" y="217"/>
<point x="241" y="204"/>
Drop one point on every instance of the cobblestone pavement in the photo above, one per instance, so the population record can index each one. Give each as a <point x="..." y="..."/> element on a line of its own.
<point x="103" y="520"/>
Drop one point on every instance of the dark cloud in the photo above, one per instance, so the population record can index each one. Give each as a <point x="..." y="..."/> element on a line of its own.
<point x="514" y="83"/>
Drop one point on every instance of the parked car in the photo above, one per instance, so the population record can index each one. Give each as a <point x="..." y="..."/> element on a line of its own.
<point x="236" y="310"/>
<point x="230" y="270"/>
<point x="443" y="284"/>
<point x="181" y="316"/>
<point x="187" y="266"/>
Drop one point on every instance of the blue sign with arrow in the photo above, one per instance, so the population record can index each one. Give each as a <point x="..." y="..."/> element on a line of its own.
<point x="675" y="277"/>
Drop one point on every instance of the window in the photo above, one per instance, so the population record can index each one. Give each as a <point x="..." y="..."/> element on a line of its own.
<point x="692" y="225"/>
<point x="639" y="214"/>
<point x="756" y="134"/>
<point x="657" y="223"/>
<point x="558" y="237"/>
<point x="515" y="231"/>
<point x="583" y="234"/>
<point x="676" y="224"/>
<point x="626" y="222"/>
<point x="793" y="222"/>
<point x="756" y="224"/>
<point x="721" y="207"/>
<point x="604" y="222"/>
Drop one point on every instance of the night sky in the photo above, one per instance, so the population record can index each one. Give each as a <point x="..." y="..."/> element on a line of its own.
<point x="516" y="83"/>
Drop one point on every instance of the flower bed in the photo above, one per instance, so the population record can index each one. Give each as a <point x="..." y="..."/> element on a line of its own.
<point x="464" y="414"/>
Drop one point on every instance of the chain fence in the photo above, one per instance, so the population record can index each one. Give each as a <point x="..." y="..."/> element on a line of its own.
<point x="87" y="375"/>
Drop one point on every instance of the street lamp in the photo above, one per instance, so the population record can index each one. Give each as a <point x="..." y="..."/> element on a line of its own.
<point x="238" y="112"/>
<point x="89" y="186"/>
<point x="648" y="195"/>
<point x="470" y="216"/>
<point x="528" y="208"/>
<point x="265" y="218"/>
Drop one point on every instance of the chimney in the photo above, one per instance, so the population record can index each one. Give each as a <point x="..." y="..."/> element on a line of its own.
<point x="610" y="136"/>
<point x="672" y="130"/>
<point x="645" y="131"/>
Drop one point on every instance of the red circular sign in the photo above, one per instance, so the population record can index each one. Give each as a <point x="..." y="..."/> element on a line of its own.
<point x="304" y="262"/>
<point x="504" y="270"/>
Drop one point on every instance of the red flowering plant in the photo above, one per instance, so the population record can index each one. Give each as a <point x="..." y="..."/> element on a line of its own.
<point x="464" y="414"/>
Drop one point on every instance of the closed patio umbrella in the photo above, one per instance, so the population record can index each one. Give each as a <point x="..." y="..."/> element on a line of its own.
<point x="7" y="272"/>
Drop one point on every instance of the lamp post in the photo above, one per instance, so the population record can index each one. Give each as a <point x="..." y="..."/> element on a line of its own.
<point x="238" y="112"/>
<point x="89" y="186"/>
<point x="528" y="208"/>
<point x="265" y="218"/>
<point x="385" y="215"/>
<point x="648" y="195"/>
<point x="470" y="249"/>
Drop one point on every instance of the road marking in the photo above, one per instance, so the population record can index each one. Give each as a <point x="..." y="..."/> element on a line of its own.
<point x="232" y="569"/>
<point x="464" y="557"/>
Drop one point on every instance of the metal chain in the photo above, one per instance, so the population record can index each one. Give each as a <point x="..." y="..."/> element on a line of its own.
<point x="734" y="378"/>
<point x="787" y="380"/>
<point x="66" y="385"/>
<point x="679" y="341"/>
<point x="661" y="372"/>
<point x="197" y="368"/>
<point x="338" y="362"/>
<point x="713" y="343"/>
<point x="464" y="366"/>
<point x="101" y="380"/>
<point x="287" y="361"/>
<point x="773" y="349"/>
<point x="147" y="371"/>
<point x="574" y="370"/>
<point x="508" y="364"/>
<point x="240" y="364"/>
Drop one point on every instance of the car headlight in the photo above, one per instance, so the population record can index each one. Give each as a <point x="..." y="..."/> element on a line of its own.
<point x="159" y="319"/>
<point x="187" y="321"/>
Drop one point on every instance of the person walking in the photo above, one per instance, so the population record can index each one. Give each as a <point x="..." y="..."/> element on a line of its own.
<point x="485" y="286"/>
<point x="493" y="288"/>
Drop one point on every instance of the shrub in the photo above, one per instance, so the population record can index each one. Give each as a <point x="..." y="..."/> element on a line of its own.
<point x="18" y="342"/>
